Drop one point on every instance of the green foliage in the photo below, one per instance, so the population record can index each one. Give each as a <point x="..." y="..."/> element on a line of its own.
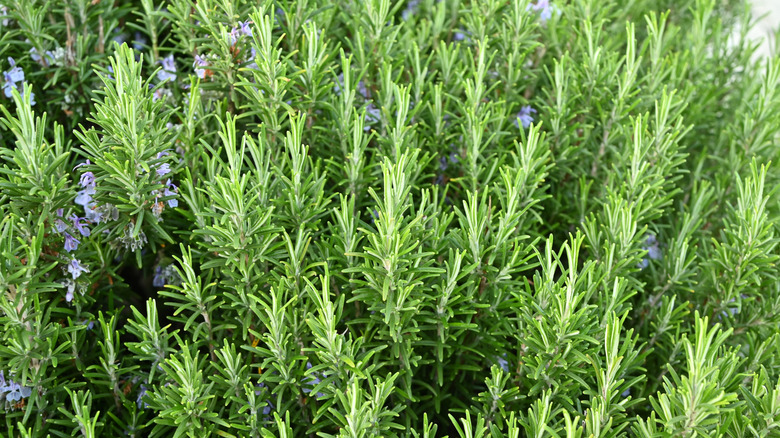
<point x="406" y="219"/>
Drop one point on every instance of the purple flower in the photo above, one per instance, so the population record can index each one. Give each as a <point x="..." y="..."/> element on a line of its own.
<point x="120" y="37"/>
<point x="140" y="400"/>
<point x="60" y="212"/>
<point x="173" y="203"/>
<point x="626" y="393"/>
<point x="503" y="363"/>
<point x="163" y="169"/>
<point x="69" y="295"/>
<point x="14" y="391"/>
<point x="252" y="56"/>
<point x="313" y="380"/>
<point x="14" y="78"/>
<point x="87" y="179"/>
<point x="75" y="268"/>
<point x="84" y="197"/>
<point x="443" y="163"/>
<point x="13" y="75"/>
<point x="200" y="65"/>
<point x="4" y="13"/>
<point x="653" y="249"/>
<point x="86" y="163"/>
<point x="245" y="28"/>
<point x="524" y="116"/>
<point x="169" y="69"/>
<point x="159" y="279"/>
<point x="546" y="9"/>
<point x="411" y="9"/>
<point x="139" y="42"/>
<point x="373" y="115"/>
<point x="82" y="228"/>
<point x="60" y="226"/>
<point x="71" y="243"/>
<point x="38" y="58"/>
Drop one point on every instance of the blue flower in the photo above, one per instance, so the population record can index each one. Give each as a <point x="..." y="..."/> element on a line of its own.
<point x="82" y="228"/>
<point x="12" y="390"/>
<point x="546" y="9"/>
<point x="15" y="392"/>
<point x="38" y="58"/>
<point x="87" y="180"/>
<point x="60" y="226"/>
<point x="140" y="400"/>
<point x="163" y="169"/>
<point x="443" y="164"/>
<point x="169" y="69"/>
<point x="139" y="42"/>
<point x="12" y="76"/>
<point x="524" y="116"/>
<point x="653" y="249"/>
<point x="252" y="56"/>
<point x="167" y="275"/>
<point x="120" y="37"/>
<point x="245" y="28"/>
<point x="373" y="115"/>
<point x="173" y="203"/>
<point x="503" y="363"/>
<point x="71" y="243"/>
<point x="200" y="65"/>
<point x="84" y="197"/>
<point x="312" y="380"/>
<point x="75" y="269"/>
<point x="411" y="9"/>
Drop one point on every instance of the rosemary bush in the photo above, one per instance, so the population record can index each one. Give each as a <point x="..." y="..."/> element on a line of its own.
<point x="372" y="218"/>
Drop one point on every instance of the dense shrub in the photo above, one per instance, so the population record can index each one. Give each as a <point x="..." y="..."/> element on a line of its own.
<point x="364" y="218"/>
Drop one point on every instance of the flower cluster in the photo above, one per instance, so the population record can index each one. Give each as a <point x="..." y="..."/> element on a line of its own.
<point x="237" y="33"/>
<point x="169" y="191"/>
<point x="545" y="8"/>
<point x="653" y="251"/>
<point x="411" y="8"/>
<point x="168" y="71"/>
<point x="47" y="58"/>
<point x="4" y="13"/>
<point x="140" y="399"/>
<point x="165" y="275"/>
<point x="524" y="117"/>
<point x="14" y="78"/>
<point x="201" y="65"/>
<point x="444" y="164"/>
<point x="312" y="381"/>
<point x="13" y="391"/>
